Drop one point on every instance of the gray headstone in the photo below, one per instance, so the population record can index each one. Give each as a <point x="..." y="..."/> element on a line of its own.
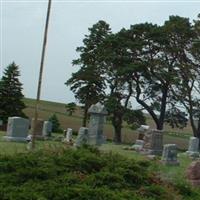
<point x="193" y="149"/>
<point x="1" y="122"/>
<point x="17" y="129"/>
<point x="153" y="142"/>
<point x="82" y="137"/>
<point x="47" y="129"/>
<point x="97" y="119"/>
<point x="169" y="156"/>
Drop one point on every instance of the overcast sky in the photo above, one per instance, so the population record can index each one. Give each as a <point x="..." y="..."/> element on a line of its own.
<point x="22" y="27"/>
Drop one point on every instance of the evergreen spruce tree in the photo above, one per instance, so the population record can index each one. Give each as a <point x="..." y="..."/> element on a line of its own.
<point x="55" y="123"/>
<point x="11" y="97"/>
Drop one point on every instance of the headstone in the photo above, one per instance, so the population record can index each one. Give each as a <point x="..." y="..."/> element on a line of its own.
<point x="193" y="149"/>
<point x="69" y="135"/>
<point x="142" y="129"/>
<point x="193" y="173"/>
<point x="153" y="142"/>
<point x="97" y="119"/>
<point x="138" y="146"/>
<point x="17" y="129"/>
<point x="169" y="155"/>
<point x="1" y="122"/>
<point x="47" y="129"/>
<point x="38" y="128"/>
<point x="82" y="137"/>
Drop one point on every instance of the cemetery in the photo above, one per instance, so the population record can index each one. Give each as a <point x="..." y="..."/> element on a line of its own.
<point x="178" y="170"/>
<point x="132" y="131"/>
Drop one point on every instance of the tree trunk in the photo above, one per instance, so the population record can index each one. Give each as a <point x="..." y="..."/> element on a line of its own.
<point x="85" y="115"/>
<point x="117" y="124"/>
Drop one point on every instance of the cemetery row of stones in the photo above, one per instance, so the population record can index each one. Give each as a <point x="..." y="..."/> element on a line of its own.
<point x="150" y="142"/>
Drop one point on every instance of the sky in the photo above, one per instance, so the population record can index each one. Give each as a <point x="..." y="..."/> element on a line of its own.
<point x="22" y="28"/>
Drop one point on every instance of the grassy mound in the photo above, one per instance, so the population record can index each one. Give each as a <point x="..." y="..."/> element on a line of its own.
<point x="84" y="174"/>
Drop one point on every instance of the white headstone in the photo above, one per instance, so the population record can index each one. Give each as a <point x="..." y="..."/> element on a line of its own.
<point x="47" y="129"/>
<point x="69" y="135"/>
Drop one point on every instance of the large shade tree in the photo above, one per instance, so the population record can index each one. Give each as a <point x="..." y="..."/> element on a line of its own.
<point x="88" y="82"/>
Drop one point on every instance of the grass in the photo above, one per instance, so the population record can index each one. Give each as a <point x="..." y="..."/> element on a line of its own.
<point x="169" y="173"/>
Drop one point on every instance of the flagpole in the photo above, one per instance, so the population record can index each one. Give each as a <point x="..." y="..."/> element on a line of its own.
<point x="40" y="75"/>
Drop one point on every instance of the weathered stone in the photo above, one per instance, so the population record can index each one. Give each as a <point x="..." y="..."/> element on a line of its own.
<point x="82" y="137"/>
<point x="153" y="142"/>
<point x="193" y="173"/>
<point x="97" y="118"/>
<point x="69" y="135"/>
<point x="138" y="146"/>
<point x="193" y="149"/>
<point x="47" y="128"/>
<point x="17" y="129"/>
<point x="169" y="156"/>
<point x="141" y="130"/>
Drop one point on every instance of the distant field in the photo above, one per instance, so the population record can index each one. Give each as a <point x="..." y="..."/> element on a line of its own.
<point x="47" y="108"/>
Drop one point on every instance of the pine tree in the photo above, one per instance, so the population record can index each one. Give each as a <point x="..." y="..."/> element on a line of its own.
<point x="11" y="97"/>
<point x="55" y="123"/>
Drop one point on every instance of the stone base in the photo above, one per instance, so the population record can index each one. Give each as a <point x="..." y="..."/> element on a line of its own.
<point x="136" y="147"/>
<point x="14" y="139"/>
<point x="170" y="162"/>
<point x="152" y="152"/>
<point x="193" y="154"/>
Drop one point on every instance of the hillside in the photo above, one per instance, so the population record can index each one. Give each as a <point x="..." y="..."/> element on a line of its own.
<point x="47" y="108"/>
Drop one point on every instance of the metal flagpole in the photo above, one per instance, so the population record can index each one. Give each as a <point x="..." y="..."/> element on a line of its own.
<point x="40" y="75"/>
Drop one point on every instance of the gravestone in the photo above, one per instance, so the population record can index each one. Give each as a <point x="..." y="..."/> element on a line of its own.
<point x="138" y="146"/>
<point x="47" y="129"/>
<point x="97" y="118"/>
<point x="17" y="129"/>
<point x="69" y="135"/>
<point x="82" y="137"/>
<point x="142" y="129"/>
<point x="193" y="149"/>
<point x="153" y="142"/>
<point x="193" y="173"/>
<point x="169" y="155"/>
<point x="38" y="128"/>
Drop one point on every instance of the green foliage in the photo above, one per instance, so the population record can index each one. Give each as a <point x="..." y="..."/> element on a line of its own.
<point x="83" y="174"/>
<point x="70" y="107"/>
<point x="88" y="83"/>
<point x="176" y="118"/>
<point x="55" y="123"/>
<point x="11" y="97"/>
<point x="134" y="118"/>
